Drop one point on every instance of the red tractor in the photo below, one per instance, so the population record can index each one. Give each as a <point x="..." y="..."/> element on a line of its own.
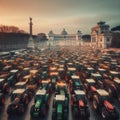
<point x="79" y="105"/>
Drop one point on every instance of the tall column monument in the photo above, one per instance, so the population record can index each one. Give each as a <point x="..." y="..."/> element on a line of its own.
<point x="31" y="41"/>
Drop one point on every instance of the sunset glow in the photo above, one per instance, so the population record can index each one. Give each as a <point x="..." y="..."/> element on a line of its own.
<point x="59" y="14"/>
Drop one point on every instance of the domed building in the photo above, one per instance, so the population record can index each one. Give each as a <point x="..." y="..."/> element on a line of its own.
<point x="65" y="36"/>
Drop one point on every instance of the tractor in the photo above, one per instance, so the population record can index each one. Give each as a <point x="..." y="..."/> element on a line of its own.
<point x="20" y="98"/>
<point x="79" y="105"/>
<point x="41" y="105"/>
<point x="60" y="109"/>
<point x="75" y="84"/>
<point x="102" y="104"/>
<point x="90" y="88"/>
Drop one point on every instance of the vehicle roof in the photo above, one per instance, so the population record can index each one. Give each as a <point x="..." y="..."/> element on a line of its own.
<point x="101" y="69"/>
<point x="19" y="91"/>
<point x="33" y="71"/>
<point x="27" y="76"/>
<point x="96" y="75"/>
<point x="60" y="69"/>
<point x="53" y="68"/>
<point x="60" y="97"/>
<point x="20" y="83"/>
<point x="46" y="81"/>
<point x="102" y="92"/>
<point x="79" y="92"/>
<point x="61" y="83"/>
<point x="117" y="80"/>
<point x="75" y="77"/>
<point x="90" y="80"/>
<point x="71" y="69"/>
<point x="26" y="69"/>
<point x="14" y="71"/>
<point x="90" y="68"/>
<point x="113" y="72"/>
<point x="41" y="92"/>
<point x="53" y="73"/>
<point x="1" y="79"/>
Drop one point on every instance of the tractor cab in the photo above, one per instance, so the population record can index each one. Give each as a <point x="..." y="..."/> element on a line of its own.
<point x="102" y="94"/>
<point x="117" y="81"/>
<point x="40" y="94"/>
<point x="71" y="70"/>
<point x="89" y="71"/>
<point x="91" y="82"/>
<point x="52" y="68"/>
<point x="13" y="72"/>
<point x="114" y="74"/>
<point x="26" y="71"/>
<point x="80" y="95"/>
<point x="21" y="84"/>
<point x="17" y="93"/>
<point x="102" y="71"/>
<point x="4" y="86"/>
<point x="61" y="71"/>
<point x="75" y="77"/>
<point x="62" y="88"/>
<point x="46" y="84"/>
<point x="98" y="78"/>
<point x="44" y="75"/>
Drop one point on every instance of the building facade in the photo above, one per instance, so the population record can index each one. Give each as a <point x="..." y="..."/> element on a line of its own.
<point x="65" y="36"/>
<point x="101" y="36"/>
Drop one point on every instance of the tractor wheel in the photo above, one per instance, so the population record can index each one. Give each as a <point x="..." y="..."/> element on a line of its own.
<point x="22" y="109"/>
<point x="104" y="114"/>
<point x="110" y="91"/>
<point x="54" y="114"/>
<point x="2" y="100"/>
<point x="44" y="110"/>
<point x="95" y="104"/>
<point x="89" y="95"/>
<point x="26" y="101"/>
<point x="65" y="116"/>
<point x="7" y="89"/>
<point x="87" y="113"/>
<point x="32" y="110"/>
<point x="9" y="110"/>
<point x="119" y="97"/>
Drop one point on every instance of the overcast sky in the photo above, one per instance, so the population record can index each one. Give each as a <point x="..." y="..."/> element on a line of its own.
<point x="55" y="15"/>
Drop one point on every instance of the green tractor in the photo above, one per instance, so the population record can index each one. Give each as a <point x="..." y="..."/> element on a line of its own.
<point x="60" y="108"/>
<point x="40" y="107"/>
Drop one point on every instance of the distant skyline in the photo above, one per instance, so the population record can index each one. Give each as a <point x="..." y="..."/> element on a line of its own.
<point x="55" y="15"/>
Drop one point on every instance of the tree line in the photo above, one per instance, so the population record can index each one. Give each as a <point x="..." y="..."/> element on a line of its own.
<point x="10" y="29"/>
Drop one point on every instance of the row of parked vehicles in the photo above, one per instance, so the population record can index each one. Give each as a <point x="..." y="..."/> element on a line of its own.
<point x="72" y="77"/>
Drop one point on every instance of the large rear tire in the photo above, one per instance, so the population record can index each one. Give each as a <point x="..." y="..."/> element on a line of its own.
<point x="95" y="104"/>
<point x="22" y="109"/>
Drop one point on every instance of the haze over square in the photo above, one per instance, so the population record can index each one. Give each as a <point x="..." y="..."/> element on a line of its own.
<point x="58" y="14"/>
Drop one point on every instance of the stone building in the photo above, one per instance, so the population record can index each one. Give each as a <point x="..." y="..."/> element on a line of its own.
<point x="101" y="36"/>
<point x="65" y="36"/>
